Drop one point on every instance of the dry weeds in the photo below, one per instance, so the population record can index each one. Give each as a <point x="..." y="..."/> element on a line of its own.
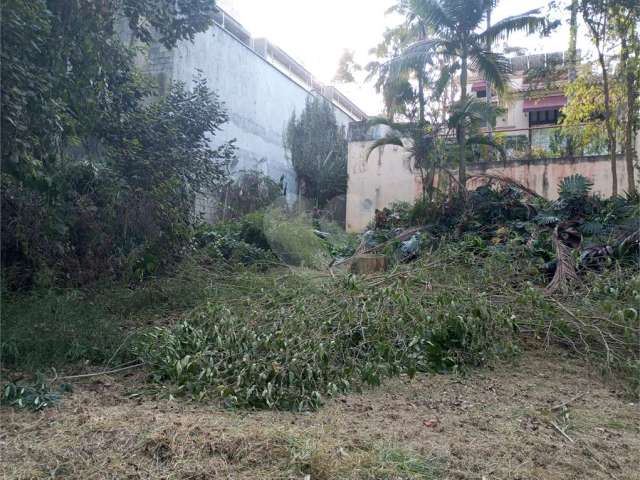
<point x="492" y="424"/>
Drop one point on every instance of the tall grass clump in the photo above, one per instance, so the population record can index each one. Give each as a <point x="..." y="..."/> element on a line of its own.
<point x="292" y="238"/>
<point x="52" y="328"/>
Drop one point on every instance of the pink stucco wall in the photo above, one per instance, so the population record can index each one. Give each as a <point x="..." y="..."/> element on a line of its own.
<point x="543" y="176"/>
<point x="387" y="177"/>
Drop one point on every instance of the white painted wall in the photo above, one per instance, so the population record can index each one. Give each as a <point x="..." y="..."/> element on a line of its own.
<point x="259" y="98"/>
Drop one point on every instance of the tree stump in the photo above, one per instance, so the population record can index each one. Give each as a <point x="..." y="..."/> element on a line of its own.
<point x="363" y="264"/>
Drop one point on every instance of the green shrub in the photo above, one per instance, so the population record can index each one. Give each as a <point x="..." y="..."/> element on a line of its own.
<point x="237" y="242"/>
<point x="252" y="230"/>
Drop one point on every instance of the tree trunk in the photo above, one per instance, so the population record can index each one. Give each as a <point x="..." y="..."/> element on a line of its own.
<point x="573" y="38"/>
<point x="489" y="99"/>
<point x="599" y="32"/>
<point x="630" y="81"/>
<point x="611" y="135"/>
<point x="573" y="61"/>
<point x="421" y="96"/>
<point x="462" y="169"/>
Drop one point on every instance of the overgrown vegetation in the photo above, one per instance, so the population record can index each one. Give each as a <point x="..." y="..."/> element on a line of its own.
<point x="259" y="310"/>
<point x="288" y="340"/>
<point x="253" y="334"/>
<point x="98" y="175"/>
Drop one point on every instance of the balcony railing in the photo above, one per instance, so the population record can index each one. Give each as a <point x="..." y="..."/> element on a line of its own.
<point x="537" y="142"/>
<point x="547" y="141"/>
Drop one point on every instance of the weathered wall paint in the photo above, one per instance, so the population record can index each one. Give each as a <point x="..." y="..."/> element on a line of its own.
<point x="387" y="177"/>
<point x="374" y="183"/>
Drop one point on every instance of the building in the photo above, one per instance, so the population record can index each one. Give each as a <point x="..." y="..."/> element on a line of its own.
<point x="533" y="103"/>
<point x="260" y="85"/>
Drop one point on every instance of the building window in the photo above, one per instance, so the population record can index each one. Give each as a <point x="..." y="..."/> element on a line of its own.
<point x="481" y="94"/>
<point x="544" y="117"/>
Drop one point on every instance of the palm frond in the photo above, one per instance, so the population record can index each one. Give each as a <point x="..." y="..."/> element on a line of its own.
<point x="494" y="67"/>
<point x="484" y="140"/>
<point x="574" y="187"/>
<point x="473" y="110"/>
<point x="433" y="13"/>
<point x="444" y="79"/>
<point x="546" y="219"/>
<point x="402" y="128"/>
<point x="507" y="181"/>
<point x="467" y="14"/>
<point x="381" y="142"/>
<point x="529" y="22"/>
<point x="415" y="56"/>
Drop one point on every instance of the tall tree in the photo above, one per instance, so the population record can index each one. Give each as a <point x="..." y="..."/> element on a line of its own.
<point x="66" y="77"/>
<point x="597" y="16"/>
<point x="454" y="29"/>
<point x="317" y="149"/>
<point x="404" y="88"/>
<point x="626" y="18"/>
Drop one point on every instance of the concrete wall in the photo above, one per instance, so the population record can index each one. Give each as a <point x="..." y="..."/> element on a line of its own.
<point x="386" y="177"/>
<point x="258" y="97"/>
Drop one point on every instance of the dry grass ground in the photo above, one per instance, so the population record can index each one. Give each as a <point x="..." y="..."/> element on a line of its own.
<point x="492" y="424"/>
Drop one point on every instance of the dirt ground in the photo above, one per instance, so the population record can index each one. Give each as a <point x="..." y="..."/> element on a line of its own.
<point x="491" y="424"/>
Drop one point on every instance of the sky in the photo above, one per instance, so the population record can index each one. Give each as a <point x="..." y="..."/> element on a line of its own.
<point x="317" y="33"/>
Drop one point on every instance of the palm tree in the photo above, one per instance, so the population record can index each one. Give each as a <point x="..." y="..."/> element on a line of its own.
<point x="454" y="30"/>
<point x="423" y="141"/>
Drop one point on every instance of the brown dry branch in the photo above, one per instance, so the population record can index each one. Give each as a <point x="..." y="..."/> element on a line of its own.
<point x="362" y="250"/>
<point x="506" y="181"/>
<point x="565" y="273"/>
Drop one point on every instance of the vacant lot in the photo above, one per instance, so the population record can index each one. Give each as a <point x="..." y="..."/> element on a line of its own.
<point x="493" y="424"/>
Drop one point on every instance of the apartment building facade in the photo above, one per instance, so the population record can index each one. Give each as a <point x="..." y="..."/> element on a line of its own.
<point x="533" y="104"/>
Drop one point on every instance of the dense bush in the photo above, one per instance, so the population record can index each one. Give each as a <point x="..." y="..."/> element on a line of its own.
<point x="128" y="213"/>
<point x="317" y="148"/>
<point x="249" y="192"/>
<point x="98" y="178"/>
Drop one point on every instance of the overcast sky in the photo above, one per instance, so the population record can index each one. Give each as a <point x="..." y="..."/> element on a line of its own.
<point x="317" y="33"/>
